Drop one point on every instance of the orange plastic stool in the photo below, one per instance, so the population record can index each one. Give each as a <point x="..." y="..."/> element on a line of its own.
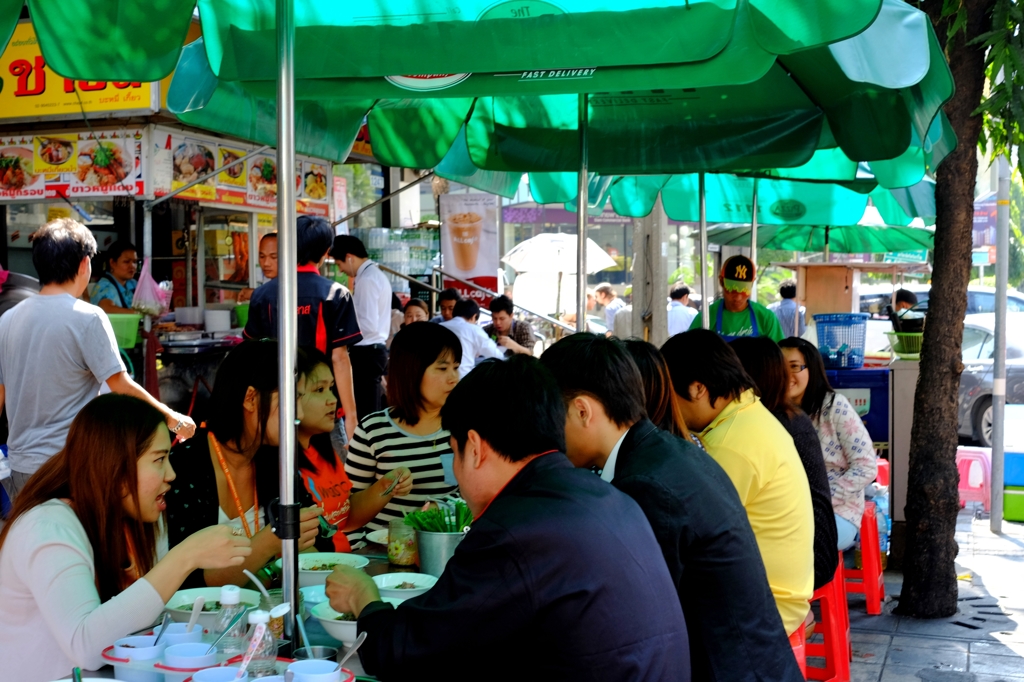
<point x="799" y="644"/>
<point x="835" y="628"/>
<point x="868" y="580"/>
<point x="883" y="471"/>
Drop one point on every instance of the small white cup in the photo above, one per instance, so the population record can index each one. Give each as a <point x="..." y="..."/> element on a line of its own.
<point x="316" y="671"/>
<point x="189" y="656"/>
<point x="220" y="674"/>
<point x="176" y="634"/>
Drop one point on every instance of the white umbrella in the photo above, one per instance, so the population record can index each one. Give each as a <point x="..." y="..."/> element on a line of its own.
<point x="552" y="252"/>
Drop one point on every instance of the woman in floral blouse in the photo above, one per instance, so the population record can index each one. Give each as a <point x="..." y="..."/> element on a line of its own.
<point x="845" y="443"/>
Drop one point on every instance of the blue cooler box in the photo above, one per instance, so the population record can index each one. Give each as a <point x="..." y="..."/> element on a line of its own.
<point x="868" y="392"/>
<point x="1013" y="469"/>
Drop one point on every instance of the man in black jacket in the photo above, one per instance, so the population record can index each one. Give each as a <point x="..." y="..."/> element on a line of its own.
<point x="734" y="626"/>
<point x="560" y="577"/>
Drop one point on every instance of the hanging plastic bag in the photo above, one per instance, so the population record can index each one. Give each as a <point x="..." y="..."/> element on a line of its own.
<point x="3" y="277"/>
<point x="149" y="298"/>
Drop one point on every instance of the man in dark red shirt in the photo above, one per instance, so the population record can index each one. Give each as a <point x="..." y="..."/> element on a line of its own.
<point x="326" y="317"/>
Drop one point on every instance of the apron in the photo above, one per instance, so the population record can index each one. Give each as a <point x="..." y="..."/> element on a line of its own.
<point x="718" y="323"/>
<point x="117" y="287"/>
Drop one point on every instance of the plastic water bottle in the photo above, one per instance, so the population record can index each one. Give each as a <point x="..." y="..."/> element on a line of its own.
<point x="230" y="606"/>
<point x="264" y="658"/>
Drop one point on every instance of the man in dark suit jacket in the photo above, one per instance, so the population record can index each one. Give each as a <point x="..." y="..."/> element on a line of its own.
<point x="734" y="626"/>
<point x="560" y="577"/>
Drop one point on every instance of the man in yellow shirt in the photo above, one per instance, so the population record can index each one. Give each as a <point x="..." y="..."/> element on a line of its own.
<point x="719" y="404"/>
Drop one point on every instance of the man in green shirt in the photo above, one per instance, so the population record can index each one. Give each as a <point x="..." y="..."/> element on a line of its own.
<point x="734" y="314"/>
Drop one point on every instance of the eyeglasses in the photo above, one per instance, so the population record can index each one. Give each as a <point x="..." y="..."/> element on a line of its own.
<point x="794" y="368"/>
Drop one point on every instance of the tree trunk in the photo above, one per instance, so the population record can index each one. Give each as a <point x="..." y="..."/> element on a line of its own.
<point x="929" y="582"/>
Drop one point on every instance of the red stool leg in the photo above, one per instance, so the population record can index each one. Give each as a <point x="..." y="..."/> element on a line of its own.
<point x="834" y="628"/>
<point x="871" y="559"/>
<point x="799" y="644"/>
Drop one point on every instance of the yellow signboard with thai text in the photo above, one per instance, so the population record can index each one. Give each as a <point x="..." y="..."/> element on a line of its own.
<point x="29" y="89"/>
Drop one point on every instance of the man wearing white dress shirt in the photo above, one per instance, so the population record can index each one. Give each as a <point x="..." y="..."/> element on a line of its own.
<point x="680" y="314"/>
<point x="475" y="342"/>
<point x="371" y="295"/>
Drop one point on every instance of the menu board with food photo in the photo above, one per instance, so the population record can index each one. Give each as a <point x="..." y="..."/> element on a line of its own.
<point x="56" y="154"/>
<point x="18" y="178"/>
<point x="234" y="176"/>
<point x="192" y="160"/>
<point x="102" y="164"/>
<point x="262" y="178"/>
<point x="314" y="181"/>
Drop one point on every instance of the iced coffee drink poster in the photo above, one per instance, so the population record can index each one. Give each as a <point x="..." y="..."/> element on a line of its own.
<point x="469" y="242"/>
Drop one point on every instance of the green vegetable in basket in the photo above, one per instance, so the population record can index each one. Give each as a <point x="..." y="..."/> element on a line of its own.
<point x="442" y="519"/>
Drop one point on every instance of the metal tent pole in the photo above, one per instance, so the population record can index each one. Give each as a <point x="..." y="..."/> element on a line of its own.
<point x="147" y="253"/>
<point x="582" y="201"/>
<point x="753" y="239"/>
<point x="999" y="364"/>
<point x="288" y="522"/>
<point x="200" y="261"/>
<point x="705" y="300"/>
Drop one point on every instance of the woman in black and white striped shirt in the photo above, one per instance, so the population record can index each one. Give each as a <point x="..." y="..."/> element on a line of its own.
<point x="422" y="371"/>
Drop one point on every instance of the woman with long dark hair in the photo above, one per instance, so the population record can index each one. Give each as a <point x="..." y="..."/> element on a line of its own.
<point x="659" y="395"/>
<point x="845" y="443"/>
<point x="322" y="471"/>
<point x="763" y="361"/>
<point x="422" y="370"/>
<point x="79" y="566"/>
<point x="227" y="475"/>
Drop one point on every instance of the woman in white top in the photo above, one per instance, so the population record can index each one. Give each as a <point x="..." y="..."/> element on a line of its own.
<point x="78" y="564"/>
<point x="845" y="443"/>
<point x="422" y="370"/>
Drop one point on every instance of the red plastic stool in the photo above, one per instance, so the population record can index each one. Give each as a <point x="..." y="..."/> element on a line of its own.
<point x="835" y="628"/>
<point x="799" y="644"/>
<point x="965" y="458"/>
<point x="883" y="471"/>
<point x="868" y="580"/>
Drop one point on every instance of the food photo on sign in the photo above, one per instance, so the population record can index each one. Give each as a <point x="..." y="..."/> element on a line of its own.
<point x="469" y="242"/>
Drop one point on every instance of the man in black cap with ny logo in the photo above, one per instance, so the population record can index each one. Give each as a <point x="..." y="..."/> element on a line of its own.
<point x="735" y="315"/>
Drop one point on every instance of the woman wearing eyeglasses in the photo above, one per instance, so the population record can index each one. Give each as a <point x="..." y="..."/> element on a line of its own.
<point x="116" y="287"/>
<point x="845" y="442"/>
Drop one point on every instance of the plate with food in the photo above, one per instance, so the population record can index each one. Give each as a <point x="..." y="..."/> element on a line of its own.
<point x="193" y="161"/>
<point x="54" y="150"/>
<point x="379" y="537"/>
<point x="404" y="585"/>
<point x="314" y="567"/>
<point x="263" y="177"/>
<point x="180" y="605"/>
<point x="316" y="183"/>
<point x="229" y="157"/>
<point x="16" y="169"/>
<point x="102" y="164"/>
<point x="341" y="626"/>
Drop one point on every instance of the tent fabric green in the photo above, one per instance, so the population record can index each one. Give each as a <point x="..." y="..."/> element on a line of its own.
<point x="844" y="239"/>
<point x="480" y="36"/>
<point x="803" y="103"/>
<point x="142" y="40"/>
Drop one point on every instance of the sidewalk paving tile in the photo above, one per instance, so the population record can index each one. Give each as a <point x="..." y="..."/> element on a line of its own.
<point x="998" y="648"/>
<point x="997" y="665"/>
<point x="869" y="653"/>
<point x="870" y="638"/>
<point x="864" y="672"/>
<point x="920" y="657"/>
<point x="930" y="643"/>
<point x="900" y="673"/>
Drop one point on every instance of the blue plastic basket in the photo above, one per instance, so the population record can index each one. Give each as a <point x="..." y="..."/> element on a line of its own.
<point x="841" y="339"/>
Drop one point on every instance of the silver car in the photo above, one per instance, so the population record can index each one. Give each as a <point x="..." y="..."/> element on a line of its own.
<point x="975" y="395"/>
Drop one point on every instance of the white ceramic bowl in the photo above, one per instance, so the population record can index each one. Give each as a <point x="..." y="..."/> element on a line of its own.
<point x="388" y="584"/>
<point x="137" y="649"/>
<point x="180" y="605"/>
<point x="379" y="537"/>
<point x="311" y="596"/>
<point x="310" y="578"/>
<point x="319" y="671"/>
<point x="342" y="630"/>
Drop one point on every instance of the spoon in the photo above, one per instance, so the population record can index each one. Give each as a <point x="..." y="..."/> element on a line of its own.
<point x="289" y="676"/>
<point x="76" y="674"/>
<point x="163" y="628"/>
<point x="355" y="645"/>
<point x="197" y="608"/>
<point x="234" y="621"/>
<point x="257" y="582"/>
<point x="302" y="631"/>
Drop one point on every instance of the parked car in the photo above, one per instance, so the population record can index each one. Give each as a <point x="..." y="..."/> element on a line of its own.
<point x="975" y="395"/>
<point x="874" y="298"/>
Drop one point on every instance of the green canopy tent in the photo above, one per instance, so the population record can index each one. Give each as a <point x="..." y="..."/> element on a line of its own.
<point x="875" y="97"/>
<point x="857" y="238"/>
